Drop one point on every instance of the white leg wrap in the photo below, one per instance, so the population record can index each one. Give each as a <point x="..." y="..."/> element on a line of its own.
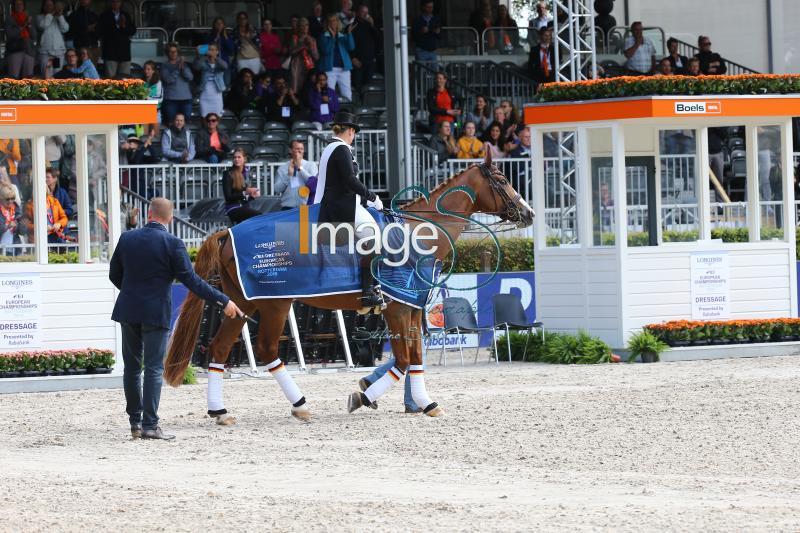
<point x="215" y="371"/>
<point x="288" y="386"/>
<point x="382" y="386"/>
<point x="418" y="392"/>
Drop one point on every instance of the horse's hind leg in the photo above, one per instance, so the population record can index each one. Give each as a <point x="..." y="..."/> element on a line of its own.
<point x="398" y="321"/>
<point x="273" y="319"/>
<point x="416" y="369"/>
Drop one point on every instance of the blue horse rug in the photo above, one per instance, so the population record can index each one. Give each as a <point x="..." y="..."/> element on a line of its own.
<point x="270" y="263"/>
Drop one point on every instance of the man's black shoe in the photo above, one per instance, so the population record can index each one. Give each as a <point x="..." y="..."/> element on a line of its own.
<point x="156" y="434"/>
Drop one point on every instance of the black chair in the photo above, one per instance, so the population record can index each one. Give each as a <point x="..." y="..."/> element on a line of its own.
<point x="250" y="112"/>
<point x="373" y="97"/>
<point x="270" y="152"/>
<point x="510" y="315"/>
<point x="459" y="318"/>
<point x="251" y="123"/>
<point x="275" y="136"/>
<point x="302" y="125"/>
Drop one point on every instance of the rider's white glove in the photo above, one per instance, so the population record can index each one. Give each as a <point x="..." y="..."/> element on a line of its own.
<point x="377" y="204"/>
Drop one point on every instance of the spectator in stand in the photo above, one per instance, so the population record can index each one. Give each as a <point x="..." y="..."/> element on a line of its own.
<point x="56" y="217"/>
<point x="367" y="43"/>
<point x="710" y="62"/>
<point x="694" y="67"/>
<point x="175" y="78"/>
<point x="523" y="148"/>
<point x="679" y="63"/>
<point x="212" y="142"/>
<point x="11" y="224"/>
<point x="543" y="57"/>
<point x="334" y="56"/>
<point x="223" y="39"/>
<point x="543" y="17"/>
<point x="83" y="28"/>
<point x="53" y="150"/>
<point x="346" y="14"/>
<point x="264" y="85"/>
<point x="271" y="47"/>
<point x="237" y="190"/>
<point x="303" y="52"/>
<point x="247" y="46"/>
<point x="316" y="21"/>
<point x="716" y="158"/>
<point x="70" y="66"/>
<point x="664" y="67"/>
<point x="508" y="38"/>
<point x="20" y="42"/>
<point x="211" y="70"/>
<point x="426" y="30"/>
<point x="292" y="175"/>
<point x="60" y="194"/>
<point x="481" y="19"/>
<point x="441" y="103"/>
<point x="243" y="93"/>
<point x="443" y="142"/>
<point x="501" y="117"/>
<point x="115" y="28"/>
<point x="294" y="21"/>
<point x="495" y="141"/>
<point x="155" y="91"/>
<point x="52" y="26"/>
<point x="11" y="156"/>
<point x="177" y="142"/>
<point x="481" y="116"/>
<point x="5" y="180"/>
<point x="512" y="117"/>
<point x="469" y="146"/>
<point x="86" y="67"/>
<point x="283" y="105"/>
<point x="641" y="52"/>
<point x="322" y="102"/>
<point x="137" y="152"/>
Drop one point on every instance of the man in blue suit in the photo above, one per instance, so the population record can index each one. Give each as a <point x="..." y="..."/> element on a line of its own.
<point x="143" y="267"/>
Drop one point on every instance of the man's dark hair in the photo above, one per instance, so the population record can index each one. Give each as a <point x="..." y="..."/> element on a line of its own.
<point x="293" y="141"/>
<point x="671" y="40"/>
<point x="635" y="22"/>
<point x="424" y="3"/>
<point x="544" y="29"/>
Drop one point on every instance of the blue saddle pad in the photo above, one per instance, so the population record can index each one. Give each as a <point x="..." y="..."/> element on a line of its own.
<point x="270" y="265"/>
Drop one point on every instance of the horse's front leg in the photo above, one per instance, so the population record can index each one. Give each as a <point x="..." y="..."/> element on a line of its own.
<point x="416" y="368"/>
<point x="273" y="318"/>
<point x="220" y="349"/>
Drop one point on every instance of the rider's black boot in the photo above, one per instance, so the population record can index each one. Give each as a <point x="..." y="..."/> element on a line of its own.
<point x="371" y="295"/>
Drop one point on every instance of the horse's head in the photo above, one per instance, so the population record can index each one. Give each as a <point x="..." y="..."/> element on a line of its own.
<point x="496" y="196"/>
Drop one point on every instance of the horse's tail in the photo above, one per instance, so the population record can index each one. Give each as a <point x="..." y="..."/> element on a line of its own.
<point x="187" y="328"/>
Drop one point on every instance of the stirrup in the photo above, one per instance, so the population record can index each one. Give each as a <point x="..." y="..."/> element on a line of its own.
<point x="373" y="298"/>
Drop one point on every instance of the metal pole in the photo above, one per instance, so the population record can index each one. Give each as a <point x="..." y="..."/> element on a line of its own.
<point x="248" y="346"/>
<point x="406" y="102"/>
<point x="343" y="334"/>
<point x="296" y="337"/>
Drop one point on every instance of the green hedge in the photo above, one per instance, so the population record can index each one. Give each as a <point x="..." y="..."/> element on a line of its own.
<point x="627" y="86"/>
<point x="72" y="90"/>
<point x="52" y="257"/>
<point x="557" y="348"/>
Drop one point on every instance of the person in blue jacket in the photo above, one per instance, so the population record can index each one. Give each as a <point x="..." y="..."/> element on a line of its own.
<point x="144" y="264"/>
<point x="334" y="55"/>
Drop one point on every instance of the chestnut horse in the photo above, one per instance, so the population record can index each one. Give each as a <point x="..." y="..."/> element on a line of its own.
<point x="482" y="188"/>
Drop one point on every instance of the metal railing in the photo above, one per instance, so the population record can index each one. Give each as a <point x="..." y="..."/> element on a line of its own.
<point x="497" y="81"/>
<point x="142" y="35"/>
<point x="369" y="150"/>
<point x="423" y="79"/>
<point x="689" y="50"/>
<point x="153" y="13"/>
<point x="456" y="40"/>
<point x="191" y="234"/>
<point x="505" y="41"/>
<point x="425" y="169"/>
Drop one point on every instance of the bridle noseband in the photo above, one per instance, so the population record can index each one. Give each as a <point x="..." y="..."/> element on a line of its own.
<point x="511" y="211"/>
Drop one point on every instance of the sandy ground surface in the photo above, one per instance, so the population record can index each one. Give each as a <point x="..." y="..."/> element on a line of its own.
<point x="678" y="446"/>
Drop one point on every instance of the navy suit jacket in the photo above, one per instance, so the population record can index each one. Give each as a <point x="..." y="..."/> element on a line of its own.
<point x="143" y="267"/>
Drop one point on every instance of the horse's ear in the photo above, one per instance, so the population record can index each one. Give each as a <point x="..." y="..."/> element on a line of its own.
<point x="488" y="159"/>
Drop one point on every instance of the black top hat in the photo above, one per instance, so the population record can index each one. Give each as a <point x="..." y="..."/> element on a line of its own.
<point x="343" y="118"/>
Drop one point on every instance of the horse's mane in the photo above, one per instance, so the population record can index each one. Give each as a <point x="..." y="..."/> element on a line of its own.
<point x="439" y="187"/>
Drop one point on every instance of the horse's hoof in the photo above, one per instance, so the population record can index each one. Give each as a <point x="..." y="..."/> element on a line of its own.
<point x="225" y="420"/>
<point x="436" y="411"/>
<point x="354" y="402"/>
<point x="302" y="413"/>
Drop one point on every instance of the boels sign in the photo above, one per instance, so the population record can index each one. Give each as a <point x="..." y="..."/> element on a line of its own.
<point x="698" y="108"/>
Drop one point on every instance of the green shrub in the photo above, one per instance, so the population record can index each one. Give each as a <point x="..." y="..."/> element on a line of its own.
<point x="627" y="86"/>
<point x="190" y="377"/>
<point x="557" y="348"/>
<point x="72" y="90"/>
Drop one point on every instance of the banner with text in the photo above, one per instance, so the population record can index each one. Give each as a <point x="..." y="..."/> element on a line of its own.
<point x="20" y="311"/>
<point x="710" y="278"/>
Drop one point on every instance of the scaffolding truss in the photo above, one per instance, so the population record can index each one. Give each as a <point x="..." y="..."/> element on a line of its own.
<point x="573" y="30"/>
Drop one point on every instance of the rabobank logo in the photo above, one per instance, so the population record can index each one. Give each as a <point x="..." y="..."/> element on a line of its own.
<point x="698" y="108"/>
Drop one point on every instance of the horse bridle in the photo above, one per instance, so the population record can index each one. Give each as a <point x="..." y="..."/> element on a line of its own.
<point x="511" y="211"/>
